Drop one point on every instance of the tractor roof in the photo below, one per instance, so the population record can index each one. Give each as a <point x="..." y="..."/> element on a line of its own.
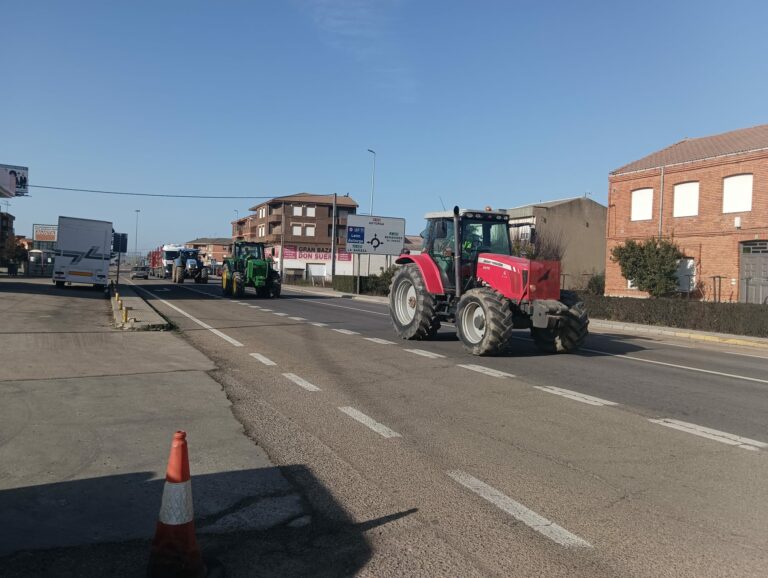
<point x="501" y="214"/>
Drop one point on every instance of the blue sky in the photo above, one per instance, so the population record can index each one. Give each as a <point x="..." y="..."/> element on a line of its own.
<point x="478" y="103"/>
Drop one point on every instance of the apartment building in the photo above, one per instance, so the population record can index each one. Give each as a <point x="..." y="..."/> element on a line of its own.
<point x="710" y="196"/>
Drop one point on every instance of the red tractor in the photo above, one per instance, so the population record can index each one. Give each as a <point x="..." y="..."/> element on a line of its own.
<point x="466" y="274"/>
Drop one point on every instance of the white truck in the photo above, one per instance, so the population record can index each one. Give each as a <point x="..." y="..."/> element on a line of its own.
<point x="83" y="252"/>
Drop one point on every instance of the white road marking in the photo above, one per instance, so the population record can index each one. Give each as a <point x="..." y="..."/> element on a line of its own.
<point x="267" y="310"/>
<point x="379" y="341"/>
<point x="380" y="429"/>
<point x="425" y="353"/>
<point x="712" y="434"/>
<point x="224" y="336"/>
<point x="242" y="304"/>
<point x="238" y="302"/>
<point x="316" y="302"/>
<point x="486" y="370"/>
<point x="301" y="382"/>
<point x="347" y="332"/>
<point x="264" y="360"/>
<point x="254" y="307"/>
<point x="320" y="324"/>
<point x="279" y="314"/>
<point x="515" y="509"/>
<point x="687" y="367"/>
<point x="297" y="318"/>
<point x="575" y="395"/>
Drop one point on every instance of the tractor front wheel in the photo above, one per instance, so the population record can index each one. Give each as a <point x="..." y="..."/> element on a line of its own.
<point x="226" y="282"/>
<point x="484" y="321"/>
<point x="411" y="307"/>
<point x="571" y="332"/>
<point x="238" y="287"/>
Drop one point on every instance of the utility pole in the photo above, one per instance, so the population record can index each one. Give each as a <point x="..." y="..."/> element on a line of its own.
<point x="136" y="237"/>
<point x="282" y="239"/>
<point x="333" y="239"/>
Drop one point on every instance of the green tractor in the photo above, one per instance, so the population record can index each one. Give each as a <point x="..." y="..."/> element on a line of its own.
<point x="248" y="266"/>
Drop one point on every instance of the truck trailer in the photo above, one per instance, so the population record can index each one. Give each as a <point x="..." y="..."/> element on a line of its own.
<point x="83" y="252"/>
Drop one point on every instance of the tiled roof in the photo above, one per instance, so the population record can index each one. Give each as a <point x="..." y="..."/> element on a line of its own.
<point x="341" y="200"/>
<point x="211" y="241"/>
<point x="695" y="149"/>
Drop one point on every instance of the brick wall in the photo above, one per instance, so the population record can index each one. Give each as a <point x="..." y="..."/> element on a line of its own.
<point x="710" y="238"/>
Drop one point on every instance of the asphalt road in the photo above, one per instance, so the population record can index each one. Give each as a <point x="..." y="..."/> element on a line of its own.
<point x="634" y="457"/>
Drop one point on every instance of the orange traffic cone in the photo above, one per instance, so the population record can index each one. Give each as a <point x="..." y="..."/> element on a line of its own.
<point x="174" y="550"/>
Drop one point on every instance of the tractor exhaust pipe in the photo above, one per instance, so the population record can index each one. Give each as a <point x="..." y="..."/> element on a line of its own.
<point x="456" y="252"/>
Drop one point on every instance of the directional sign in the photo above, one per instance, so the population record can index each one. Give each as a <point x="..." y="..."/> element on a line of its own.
<point x="375" y="235"/>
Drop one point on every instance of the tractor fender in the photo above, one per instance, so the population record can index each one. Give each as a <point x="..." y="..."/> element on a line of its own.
<point x="429" y="271"/>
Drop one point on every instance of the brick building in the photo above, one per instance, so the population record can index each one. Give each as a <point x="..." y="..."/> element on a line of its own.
<point x="710" y="196"/>
<point x="303" y="224"/>
<point x="212" y="249"/>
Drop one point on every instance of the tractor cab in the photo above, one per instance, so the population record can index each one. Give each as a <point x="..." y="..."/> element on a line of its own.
<point x="479" y="232"/>
<point x="246" y="250"/>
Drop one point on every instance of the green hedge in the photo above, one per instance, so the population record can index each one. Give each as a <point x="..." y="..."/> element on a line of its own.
<point x="735" y="318"/>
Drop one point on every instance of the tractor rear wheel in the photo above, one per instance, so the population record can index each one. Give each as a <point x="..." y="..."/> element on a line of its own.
<point x="411" y="306"/>
<point x="238" y="287"/>
<point x="484" y="321"/>
<point x="572" y="331"/>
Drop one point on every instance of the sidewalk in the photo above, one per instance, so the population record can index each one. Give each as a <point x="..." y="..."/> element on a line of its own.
<point x="86" y="422"/>
<point x="594" y="324"/>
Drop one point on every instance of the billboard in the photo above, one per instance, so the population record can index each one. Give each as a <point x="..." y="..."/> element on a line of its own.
<point x="311" y="253"/>
<point x="375" y="235"/>
<point x="45" y="232"/>
<point x="13" y="181"/>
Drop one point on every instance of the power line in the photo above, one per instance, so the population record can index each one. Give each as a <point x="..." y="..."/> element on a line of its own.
<point x="148" y="194"/>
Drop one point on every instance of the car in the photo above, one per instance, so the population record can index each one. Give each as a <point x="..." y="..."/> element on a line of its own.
<point x="140" y="273"/>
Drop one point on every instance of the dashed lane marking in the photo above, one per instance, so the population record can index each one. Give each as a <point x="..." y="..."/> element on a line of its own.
<point x="267" y="310"/>
<point x="575" y="395"/>
<point x="425" y="353"/>
<point x="347" y="332"/>
<point x="380" y="429"/>
<point x="279" y="314"/>
<point x="264" y="360"/>
<point x="301" y="382"/>
<point x="316" y="302"/>
<point x="379" y="341"/>
<point x="319" y="324"/>
<point x="486" y="370"/>
<point x="712" y="434"/>
<point x="297" y="318"/>
<point x="515" y="509"/>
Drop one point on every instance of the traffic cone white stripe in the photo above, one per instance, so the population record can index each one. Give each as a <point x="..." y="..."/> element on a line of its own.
<point x="176" y="506"/>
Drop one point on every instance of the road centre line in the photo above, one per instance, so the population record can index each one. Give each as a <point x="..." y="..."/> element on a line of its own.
<point x="380" y="429"/>
<point x="316" y="302"/>
<point x="254" y="307"/>
<point x="267" y="310"/>
<point x="224" y="336"/>
<point x="712" y="434"/>
<point x="279" y="314"/>
<point x="515" y="509"/>
<point x="425" y="353"/>
<point x="319" y="324"/>
<point x="379" y="341"/>
<point x="485" y="370"/>
<point x="240" y="303"/>
<point x="689" y="368"/>
<point x="264" y="360"/>
<point x="347" y="331"/>
<point x="297" y="318"/>
<point x="575" y="395"/>
<point x="301" y="382"/>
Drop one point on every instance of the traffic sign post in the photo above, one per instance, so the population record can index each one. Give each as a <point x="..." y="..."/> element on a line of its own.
<point x="375" y="235"/>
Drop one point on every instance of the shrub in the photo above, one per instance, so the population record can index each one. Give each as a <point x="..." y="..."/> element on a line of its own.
<point x="650" y="264"/>
<point x="596" y="284"/>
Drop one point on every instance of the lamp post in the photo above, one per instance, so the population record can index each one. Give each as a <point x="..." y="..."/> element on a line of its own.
<point x="373" y="179"/>
<point x="136" y="237"/>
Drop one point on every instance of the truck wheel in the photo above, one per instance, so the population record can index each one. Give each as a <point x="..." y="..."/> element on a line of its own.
<point x="484" y="321"/>
<point x="226" y="283"/>
<point x="411" y="307"/>
<point x="238" y="287"/>
<point x="59" y="284"/>
<point x="572" y="331"/>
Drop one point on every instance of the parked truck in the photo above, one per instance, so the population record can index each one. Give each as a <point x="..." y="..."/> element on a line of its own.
<point x="83" y="251"/>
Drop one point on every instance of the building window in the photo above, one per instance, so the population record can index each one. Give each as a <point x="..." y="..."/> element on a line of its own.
<point x="686" y="200"/>
<point x="297" y="210"/>
<point x="343" y="213"/>
<point x="311" y="211"/>
<point x="642" y="205"/>
<point x="686" y="275"/>
<point x="310" y="231"/>
<point x="631" y="284"/>
<point x="296" y="230"/>
<point x="737" y="194"/>
<point x="262" y="230"/>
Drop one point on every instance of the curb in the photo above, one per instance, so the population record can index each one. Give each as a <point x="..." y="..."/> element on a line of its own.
<point x="635" y="329"/>
<point x="133" y="313"/>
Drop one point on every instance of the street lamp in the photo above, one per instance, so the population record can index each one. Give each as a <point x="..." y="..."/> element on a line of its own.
<point x="136" y="237"/>
<point x="373" y="178"/>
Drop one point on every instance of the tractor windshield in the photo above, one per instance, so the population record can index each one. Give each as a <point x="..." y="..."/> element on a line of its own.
<point x="485" y="237"/>
<point x="254" y="251"/>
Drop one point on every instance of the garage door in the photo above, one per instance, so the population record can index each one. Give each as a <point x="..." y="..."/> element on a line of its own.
<point x="754" y="272"/>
